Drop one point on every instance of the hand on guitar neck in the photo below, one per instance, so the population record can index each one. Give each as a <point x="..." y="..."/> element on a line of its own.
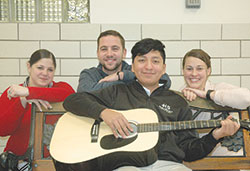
<point x="117" y="122"/>
<point x="228" y="128"/>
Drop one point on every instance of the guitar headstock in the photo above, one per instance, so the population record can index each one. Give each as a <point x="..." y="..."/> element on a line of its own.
<point x="245" y="124"/>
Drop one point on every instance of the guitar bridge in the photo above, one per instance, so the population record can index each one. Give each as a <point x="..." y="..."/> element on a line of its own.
<point x="95" y="131"/>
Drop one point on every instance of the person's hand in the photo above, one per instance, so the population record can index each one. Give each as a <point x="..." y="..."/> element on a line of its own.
<point x="39" y="103"/>
<point x="200" y="93"/>
<point x="117" y="122"/>
<point x="228" y="128"/>
<point x="17" y="91"/>
<point x="189" y="94"/>
<point x="111" y="78"/>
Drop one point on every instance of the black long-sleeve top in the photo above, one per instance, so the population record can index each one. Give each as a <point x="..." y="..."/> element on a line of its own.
<point x="175" y="146"/>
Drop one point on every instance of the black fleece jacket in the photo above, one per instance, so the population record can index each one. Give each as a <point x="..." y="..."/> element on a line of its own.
<point x="175" y="146"/>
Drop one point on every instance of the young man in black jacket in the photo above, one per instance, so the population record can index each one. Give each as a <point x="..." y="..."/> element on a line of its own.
<point x="147" y="91"/>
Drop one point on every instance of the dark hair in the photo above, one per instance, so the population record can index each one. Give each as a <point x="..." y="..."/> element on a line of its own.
<point x="146" y="45"/>
<point x="200" y="54"/>
<point x="42" y="53"/>
<point x="111" y="33"/>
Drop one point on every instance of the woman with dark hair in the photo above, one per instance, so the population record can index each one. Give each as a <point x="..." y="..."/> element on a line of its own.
<point x="15" y="102"/>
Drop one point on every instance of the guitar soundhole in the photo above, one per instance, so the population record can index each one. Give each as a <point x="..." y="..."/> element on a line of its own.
<point x="109" y="142"/>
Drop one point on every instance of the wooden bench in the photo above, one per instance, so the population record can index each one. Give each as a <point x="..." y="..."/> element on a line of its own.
<point x="41" y="162"/>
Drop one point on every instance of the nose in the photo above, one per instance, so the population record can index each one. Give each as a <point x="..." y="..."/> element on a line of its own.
<point x="45" y="72"/>
<point x="149" y="64"/>
<point x="109" y="52"/>
<point x="194" y="72"/>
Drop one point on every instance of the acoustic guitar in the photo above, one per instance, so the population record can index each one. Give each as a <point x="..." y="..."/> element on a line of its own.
<point x="72" y="141"/>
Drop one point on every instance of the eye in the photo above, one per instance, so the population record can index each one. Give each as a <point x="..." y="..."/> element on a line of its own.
<point x="200" y="68"/>
<point x="189" y="68"/>
<point x="115" y="48"/>
<point x="141" y="60"/>
<point x="103" y="49"/>
<point x="40" y="67"/>
<point x="51" y="70"/>
<point x="156" y="61"/>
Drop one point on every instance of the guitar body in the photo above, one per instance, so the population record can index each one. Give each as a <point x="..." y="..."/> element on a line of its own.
<point x="71" y="140"/>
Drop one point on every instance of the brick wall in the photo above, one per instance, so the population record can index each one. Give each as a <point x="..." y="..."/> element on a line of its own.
<point x="74" y="46"/>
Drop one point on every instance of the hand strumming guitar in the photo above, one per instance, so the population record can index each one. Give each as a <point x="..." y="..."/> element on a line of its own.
<point x="117" y="122"/>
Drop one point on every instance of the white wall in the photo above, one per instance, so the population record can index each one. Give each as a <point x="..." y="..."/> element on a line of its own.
<point x="169" y="11"/>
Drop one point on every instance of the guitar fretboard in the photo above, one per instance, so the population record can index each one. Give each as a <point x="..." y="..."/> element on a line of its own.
<point x="178" y="125"/>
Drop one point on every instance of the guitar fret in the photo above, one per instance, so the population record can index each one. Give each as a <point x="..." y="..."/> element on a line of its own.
<point x="177" y="125"/>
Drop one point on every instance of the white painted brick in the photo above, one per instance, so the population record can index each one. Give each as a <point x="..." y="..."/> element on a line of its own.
<point x="245" y="48"/>
<point x="23" y="67"/>
<point x="177" y="82"/>
<point x="221" y="48"/>
<point x="245" y="81"/>
<point x="128" y="31"/>
<point x="80" y="31"/>
<point x="8" y="31"/>
<point x="24" y="71"/>
<point x="38" y="31"/>
<point x="179" y="48"/>
<point x="173" y="66"/>
<point x="63" y="49"/>
<point x="128" y="60"/>
<point x="129" y="45"/>
<point x="215" y="65"/>
<point x="236" y="31"/>
<point x="17" y="49"/>
<point x="201" y="32"/>
<point x="75" y="66"/>
<point x="73" y="81"/>
<point x="234" y="80"/>
<point x="89" y="49"/>
<point x="7" y="81"/>
<point x="236" y="66"/>
<point x="9" y="67"/>
<point x="162" y="31"/>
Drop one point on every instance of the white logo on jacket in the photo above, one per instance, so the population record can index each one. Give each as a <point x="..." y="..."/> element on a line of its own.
<point x="166" y="108"/>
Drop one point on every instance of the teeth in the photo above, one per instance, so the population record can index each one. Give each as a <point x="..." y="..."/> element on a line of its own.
<point x="194" y="79"/>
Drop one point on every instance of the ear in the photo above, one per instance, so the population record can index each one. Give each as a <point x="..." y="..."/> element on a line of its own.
<point x="209" y="71"/>
<point x="164" y="69"/>
<point x="28" y="67"/>
<point x="132" y="67"/>
<point x="124" y="53"/>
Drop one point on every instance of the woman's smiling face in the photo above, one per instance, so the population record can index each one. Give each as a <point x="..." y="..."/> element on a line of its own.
<point x="195" y="73"/>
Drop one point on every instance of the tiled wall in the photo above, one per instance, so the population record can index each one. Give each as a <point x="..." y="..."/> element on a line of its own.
<point x="74" y="46"/>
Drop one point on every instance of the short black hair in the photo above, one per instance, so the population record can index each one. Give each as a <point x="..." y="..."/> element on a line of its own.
<point x="146" y="45"/>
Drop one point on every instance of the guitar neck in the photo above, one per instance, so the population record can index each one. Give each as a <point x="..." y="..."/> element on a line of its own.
<point x="178" y="125"/>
